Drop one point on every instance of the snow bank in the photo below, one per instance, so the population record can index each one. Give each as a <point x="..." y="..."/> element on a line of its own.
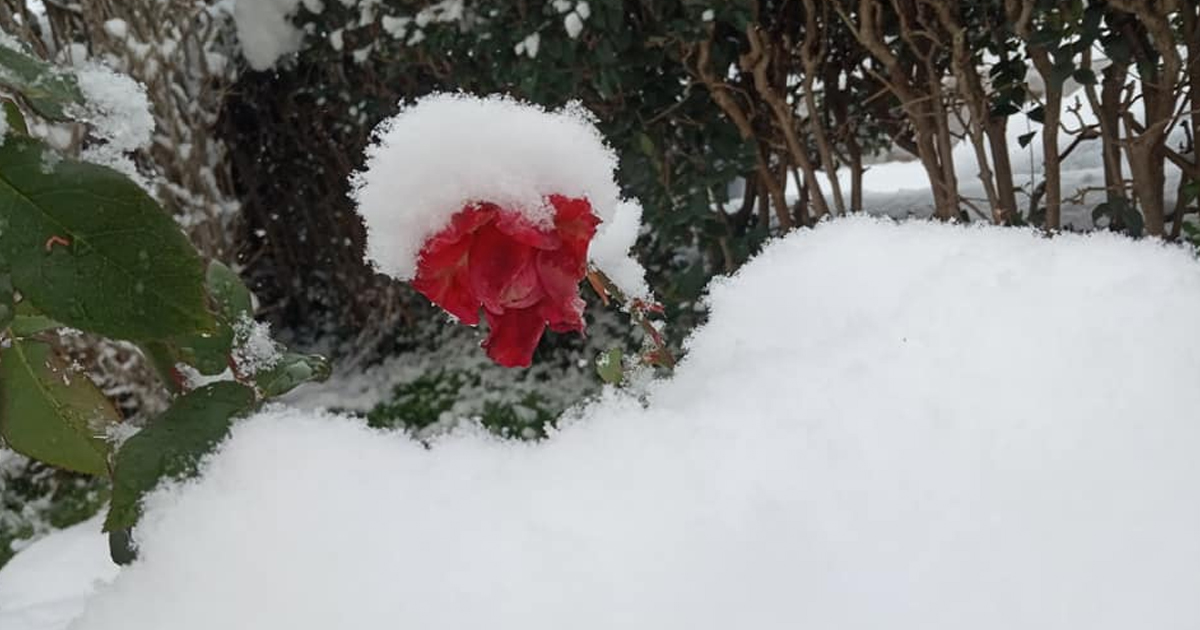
<point x="451" y="149"/>
<point x="913" y="427"/>
<point x="47" y="584"/>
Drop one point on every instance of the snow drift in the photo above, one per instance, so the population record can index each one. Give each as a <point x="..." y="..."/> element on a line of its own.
<point x="907" y="426"/>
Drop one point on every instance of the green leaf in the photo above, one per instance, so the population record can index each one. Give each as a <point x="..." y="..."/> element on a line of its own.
<point x="610" y="366"/>
<point x="292" y="371"/>
<point x="1004" y="108"/>
<point x="1089" y="29"/>
<point x="1044" y="37"/>
<point x="163" y="363"/>
<point x="226" y="288"/>
<point x="207" y="352"/>
<point x="29" y="321"/>
<point x="172" y="446"/>
<point x="1060" y="72"/>
<point x="48" y="91"/>
<point x="120" y="546"/>
<point x="50" y="413"/>
<point x="8" y="301"/>
<point x="1038" y="114"/>
<point x="1191" y="191"/>
<point x="16" y="122"/>
<point x="91" y="249"/>
<point x="646" y="144"/>
<point x="1024" y="138"/>
<point x="1084" y="76"/>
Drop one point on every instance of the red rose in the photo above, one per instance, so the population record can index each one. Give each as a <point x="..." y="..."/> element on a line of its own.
<point x="525" y="277"/>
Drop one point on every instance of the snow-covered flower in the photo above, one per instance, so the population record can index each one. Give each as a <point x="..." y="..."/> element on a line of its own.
<point x="524" y="276"/>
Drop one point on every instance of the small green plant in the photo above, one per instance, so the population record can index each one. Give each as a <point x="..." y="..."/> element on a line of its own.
<point x="446" y="396"/>
<point x="36" y="498"/>
<point x="84" y="247"/>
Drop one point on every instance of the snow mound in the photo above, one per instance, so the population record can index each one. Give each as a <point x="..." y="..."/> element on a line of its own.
<point x="265" y="30"/>
<point x="47" y="584"/>
<point x="451" y="149"/>
<point x="914" y="427"/>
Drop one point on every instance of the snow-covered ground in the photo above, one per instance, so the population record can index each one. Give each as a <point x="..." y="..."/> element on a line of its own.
<point x="989" y="429"/>
<point x="49" y="582"/>
<point x="900" y="188"/>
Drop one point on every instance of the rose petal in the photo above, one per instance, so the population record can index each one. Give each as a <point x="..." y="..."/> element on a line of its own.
<point x="524" y="231"/>
<point x="514" y="335"/>
<point x="560" y="272"/>
<point x="441" y="277"/>
<point x="563" y="315"/>
<point x="464" y="223"/>
<point x="575" y="222"/>
<point x="501" y="273"/>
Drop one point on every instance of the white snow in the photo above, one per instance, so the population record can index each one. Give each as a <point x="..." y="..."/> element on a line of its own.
<point x="611" y="250"/>
<point x="265" y="30"/>
<point x="980" y="428"/>
<point x="117" y="28"/>
<point x="253" y="348"/>
<point x="118" y="111"/>
<point x="46" y="585"/>
<point x="574" y="24"/>
<point x="116" y="107"/>
<point x="451" y="149"/>
<point x="901" y="188"/>
<point x="528" y="46"/>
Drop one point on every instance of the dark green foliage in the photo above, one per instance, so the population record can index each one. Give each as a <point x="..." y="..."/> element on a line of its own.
<point x="50" y="92"/>
<point x="292" y="371"/>
<point x="51" y="412"/>
<point x="92" y="250"/>
<point x="171" y="447"/>
<point x="35" y="496"/>
<point x="453" y="396"/>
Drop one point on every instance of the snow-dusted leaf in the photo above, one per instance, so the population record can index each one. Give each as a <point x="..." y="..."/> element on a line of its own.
<point x="171" y="447"/>
<point x="50" y="413"/>
<point x="48" y="91"/>
<point x="610" y="366"/>
<point x="292" y="371"/>
<point x="207" y="352"/>
<point x="91" y="249"/>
